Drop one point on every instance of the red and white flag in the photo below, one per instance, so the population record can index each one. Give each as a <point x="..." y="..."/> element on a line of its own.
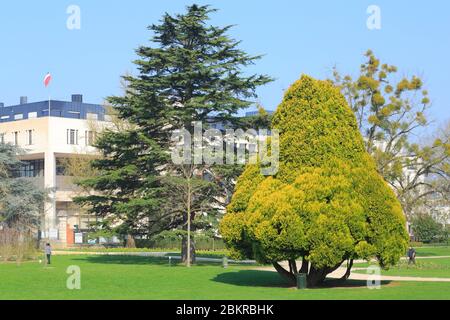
<point x="47" y="79"/>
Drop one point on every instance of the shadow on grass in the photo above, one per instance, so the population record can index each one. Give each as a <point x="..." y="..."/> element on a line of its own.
<point x="252" y="278"/>
<point x="338" y="283"/>
<point x="256" y="278"/>
<point x="140" y="260"/>
<point x="431" y="251"/>
<point x="199" y="255"/>
<point x="429" y="254"/>
<point x="136" y="260"/>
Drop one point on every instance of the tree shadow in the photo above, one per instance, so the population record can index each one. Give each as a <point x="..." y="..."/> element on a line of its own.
<point x="425" y="253"/>
<point x="252" y="278"/>
<point x="338" y="283"/>
<point x="257" y="278"/>
<point x="125" y="260"/>
<point x="141" y="260"/>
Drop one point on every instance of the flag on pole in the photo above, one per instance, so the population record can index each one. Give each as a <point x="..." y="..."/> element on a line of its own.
<point x="47" y="79"/>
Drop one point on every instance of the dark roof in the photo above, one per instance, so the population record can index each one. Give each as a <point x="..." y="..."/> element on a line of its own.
<point x="64" y="109"/>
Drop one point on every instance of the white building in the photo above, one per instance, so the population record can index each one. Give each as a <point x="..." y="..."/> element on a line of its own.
<point x="49" y="137"/>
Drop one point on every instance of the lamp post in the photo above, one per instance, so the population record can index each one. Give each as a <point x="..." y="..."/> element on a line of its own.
<point x="189" y="225"/>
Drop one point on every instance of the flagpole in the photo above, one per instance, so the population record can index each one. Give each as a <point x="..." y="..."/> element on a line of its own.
<point x="49" y="104"/>
<point x="50" y="215"/>
<point x="47" y="80"/>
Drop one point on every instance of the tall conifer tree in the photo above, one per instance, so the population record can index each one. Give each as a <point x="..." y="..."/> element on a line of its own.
<point x="190" y="72"/>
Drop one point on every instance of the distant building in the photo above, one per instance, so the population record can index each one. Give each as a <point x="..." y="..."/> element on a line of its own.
<point x="50" y="131"/>
<point x="255" y="113"/>
<point x="434" y="206"/>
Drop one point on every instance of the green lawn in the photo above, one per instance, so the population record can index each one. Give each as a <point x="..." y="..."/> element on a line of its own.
<point x="433" y="251"/>
<point x="129" y="277"/>
<point x="119" y="249"/>
<point x="170" y="252"/>
<point x="424" y="267"/>
<point x="421" y="251"/>
<point x="439" y="268"/>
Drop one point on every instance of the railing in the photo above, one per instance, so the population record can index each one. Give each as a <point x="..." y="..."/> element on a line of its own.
<point x="66" y="183"/>
<point x="37" y="181"/>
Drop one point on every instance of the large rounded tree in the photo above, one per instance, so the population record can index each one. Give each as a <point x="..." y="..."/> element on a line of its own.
<point x="327" y="204"/>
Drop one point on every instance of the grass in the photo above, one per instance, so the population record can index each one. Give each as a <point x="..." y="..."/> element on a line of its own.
<point x="173" y="252"/>
<point x="424" y="267"/>
<point x="119" y="249"/>
<point x="433" y="251"/>
<point x="133" y="277"/>
<point x="421" y="251"/>
<point x="206" y="254"/>
<point x="433" y="268"/>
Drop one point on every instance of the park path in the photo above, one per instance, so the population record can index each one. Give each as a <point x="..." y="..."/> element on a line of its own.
<point x="337" y="274"/>
<point x="363" y="276"/>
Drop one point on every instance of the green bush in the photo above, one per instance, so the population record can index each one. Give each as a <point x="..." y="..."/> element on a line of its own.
<point x="201" y="243"/>
<point x="327" y="204"/>
<point x="428" y="230"/>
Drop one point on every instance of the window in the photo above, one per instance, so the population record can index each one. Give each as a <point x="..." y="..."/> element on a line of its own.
<point x="16" y="138"/>
<point x="72" y="136"/>
<point x="29" y="137"/>
<point x="30" y="169"/>
<point x="18" y="116"/>
<point x="91" y="116"/>
<point x="74" y="114"/>
<point x="32" y="115"/>
<point x="61" y="167"/>
<point x="90" y="137"/>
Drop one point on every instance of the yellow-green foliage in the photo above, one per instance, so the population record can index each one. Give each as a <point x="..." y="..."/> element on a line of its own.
<point x="327" y="203"/>
<point x="315" y="125"/>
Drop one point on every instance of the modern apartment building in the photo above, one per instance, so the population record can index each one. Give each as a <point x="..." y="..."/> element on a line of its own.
<point x="50" y="132"/>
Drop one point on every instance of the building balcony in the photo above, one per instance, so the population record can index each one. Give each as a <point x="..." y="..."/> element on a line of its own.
<point x="66" y="183"/>
<point x="37" y="181"/>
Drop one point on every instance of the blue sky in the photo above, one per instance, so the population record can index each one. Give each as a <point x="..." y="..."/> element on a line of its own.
<point x="296" y="37"/>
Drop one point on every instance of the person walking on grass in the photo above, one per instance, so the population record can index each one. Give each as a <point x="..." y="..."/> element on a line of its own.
<point x="48" y="252"/>
<point x="412" y="255"/>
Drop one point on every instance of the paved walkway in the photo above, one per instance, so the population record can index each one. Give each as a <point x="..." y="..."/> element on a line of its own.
<point x="428" y="257"/>
<point x="363" y="276"/>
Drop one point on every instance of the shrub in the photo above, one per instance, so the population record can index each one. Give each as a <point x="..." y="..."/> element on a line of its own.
<point x="327" y="203"/>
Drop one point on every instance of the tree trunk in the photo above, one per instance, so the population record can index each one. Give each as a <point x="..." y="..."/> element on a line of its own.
<point x="130" y="242"/>
<point x="293" y="266"/>
<point x="314" y="276"/>
<point x="349" y="270"/>
<point x="288" y="276"/>
<point x="318" y="276"/>
<point x="189" y="248"/>
<point x="184" y="250"/>
<point x="305" y="266"/>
